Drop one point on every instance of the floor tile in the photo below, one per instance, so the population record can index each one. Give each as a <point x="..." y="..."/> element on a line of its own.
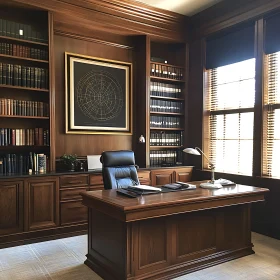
<point x="63" y="259"/>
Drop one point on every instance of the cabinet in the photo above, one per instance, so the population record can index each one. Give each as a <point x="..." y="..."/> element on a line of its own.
<point x="11" y="207"/>
<point x="41" y="203"/>
<point x="166" y="176"/>
<point x="163" y="108"/>
<point x="24" y="91"/>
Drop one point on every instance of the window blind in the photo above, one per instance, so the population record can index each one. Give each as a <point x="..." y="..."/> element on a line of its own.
<point x="230" y="117"/>
<point x="271" y="133"/>
<point x="232" y="47"/>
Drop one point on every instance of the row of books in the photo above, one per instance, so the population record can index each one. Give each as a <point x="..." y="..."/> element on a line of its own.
<point x="18" y="75"/>
<point x="16" y="107"/>
<point x="165" y="90"/>
<point x="166" y="158"/>
<point x="24" y="137"/>
<point x="165" y="71"/>
<point x="22" y="163"/>
<point x="165" y="122"/>
<point x="19" y="30"/>
<point x="166" y="138"/>
<point x="166" y="106"/>
<point x="23" y="51"/>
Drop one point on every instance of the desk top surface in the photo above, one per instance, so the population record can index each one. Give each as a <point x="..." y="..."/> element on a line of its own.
<point x="121" y="202"/>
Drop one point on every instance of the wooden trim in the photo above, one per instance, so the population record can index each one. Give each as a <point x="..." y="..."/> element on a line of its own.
<point x="89" y="39"/>
<point x="52" y="92"/>
<point x="259" y="88"/>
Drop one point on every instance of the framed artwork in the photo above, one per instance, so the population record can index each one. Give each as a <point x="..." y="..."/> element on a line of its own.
<point x="98" y="95"/>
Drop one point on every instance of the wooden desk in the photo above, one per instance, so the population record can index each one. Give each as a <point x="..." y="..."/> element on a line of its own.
<point x="162" y="236"/>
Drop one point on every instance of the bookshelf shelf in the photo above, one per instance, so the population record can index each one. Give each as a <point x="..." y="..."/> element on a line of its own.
<point x="166" y="64"/>
<point x="165" y="128"/>
<point x="165" y="147"/>
<point x="167" y="98"/>
<point x="23" y="41"/>
<point x="155" y="78"/>
<point x="24" y="88"/>
<point x="33" y="147"/>
<point x="166" y="113"/>
<point x="24" y="117"/>
<point x="24" y="58"/>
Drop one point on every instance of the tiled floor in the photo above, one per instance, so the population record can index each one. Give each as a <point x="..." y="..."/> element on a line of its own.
<point x="63" y="259"/>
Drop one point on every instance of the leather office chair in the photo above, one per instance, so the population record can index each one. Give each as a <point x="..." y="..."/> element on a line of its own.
<point x="118" y="169"/>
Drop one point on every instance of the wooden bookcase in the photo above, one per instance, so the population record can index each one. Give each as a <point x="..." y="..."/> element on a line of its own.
<point x="164" y="105"/>
<point x="25" y="124"/>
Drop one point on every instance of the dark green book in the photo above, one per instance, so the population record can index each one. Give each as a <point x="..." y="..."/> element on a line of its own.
<point x="8" y="28"/>
<point x="1" y="27"/>
<point x="4" y="27"/>
<point x="19" y="75"/>
<point x="1" y="73"/>
<point x="13" y="29"/>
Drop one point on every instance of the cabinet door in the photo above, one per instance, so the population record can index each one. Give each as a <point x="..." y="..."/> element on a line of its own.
<point x="183" y="174"/>
<point x="11" y="207"/>
<point x="73" y="212"/>
<point x="162" y="176"/>
<point x="42" y="201"/>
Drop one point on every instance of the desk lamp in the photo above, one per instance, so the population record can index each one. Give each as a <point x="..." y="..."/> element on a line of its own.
<point x="211" y="184"/>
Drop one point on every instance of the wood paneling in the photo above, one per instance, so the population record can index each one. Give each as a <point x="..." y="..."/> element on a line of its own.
<point x="152" y="250"/>
<point x="83" y="144"/>
<point x="42" y="203"/>
<point x="11" y="207"/>
<point x="201" y="227"/>
<point x="106" y="245"/>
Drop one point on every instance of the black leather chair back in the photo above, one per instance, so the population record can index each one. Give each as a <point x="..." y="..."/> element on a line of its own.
<point x="118" y="169"/>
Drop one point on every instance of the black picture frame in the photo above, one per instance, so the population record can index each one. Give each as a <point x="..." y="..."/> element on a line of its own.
<point x="98" y="95"/>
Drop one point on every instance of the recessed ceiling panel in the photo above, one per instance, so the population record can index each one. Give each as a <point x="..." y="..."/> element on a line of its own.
<point x="184" y="7"/>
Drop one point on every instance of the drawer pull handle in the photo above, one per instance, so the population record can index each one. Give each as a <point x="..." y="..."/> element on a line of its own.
<point x="75" y="182"/>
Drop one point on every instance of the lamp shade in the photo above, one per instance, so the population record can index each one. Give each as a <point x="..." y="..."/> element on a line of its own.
<point x="192" y="151"/>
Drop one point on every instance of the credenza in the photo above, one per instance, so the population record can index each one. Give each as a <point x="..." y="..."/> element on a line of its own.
<point x="47" y="206"/>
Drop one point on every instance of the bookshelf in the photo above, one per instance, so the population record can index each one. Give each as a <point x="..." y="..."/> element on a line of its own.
<point x="24" y="91"/>
<point x="167" y="91"/>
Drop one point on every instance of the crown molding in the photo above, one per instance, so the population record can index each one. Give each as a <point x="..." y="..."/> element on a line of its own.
<point x="131" y="17"/>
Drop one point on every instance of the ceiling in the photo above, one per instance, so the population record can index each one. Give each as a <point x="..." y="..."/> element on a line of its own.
<point x="184" y="7"/>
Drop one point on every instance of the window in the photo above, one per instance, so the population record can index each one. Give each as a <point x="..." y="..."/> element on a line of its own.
<point x="230" y="117"/>
<point x="271" y="148"/>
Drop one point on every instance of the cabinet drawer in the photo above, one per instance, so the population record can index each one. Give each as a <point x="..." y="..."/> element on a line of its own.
<point x="73" y="212"/>
<point x="96" y="179"/>
<point x="74" y="180"/>
<point x="145" y="182"/>
<point x="143" y="175"/>
<point x="66" y="194"/>
<point x="96" y="187"/>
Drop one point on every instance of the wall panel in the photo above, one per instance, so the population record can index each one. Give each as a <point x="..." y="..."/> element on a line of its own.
<point x="83" y="145"/>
